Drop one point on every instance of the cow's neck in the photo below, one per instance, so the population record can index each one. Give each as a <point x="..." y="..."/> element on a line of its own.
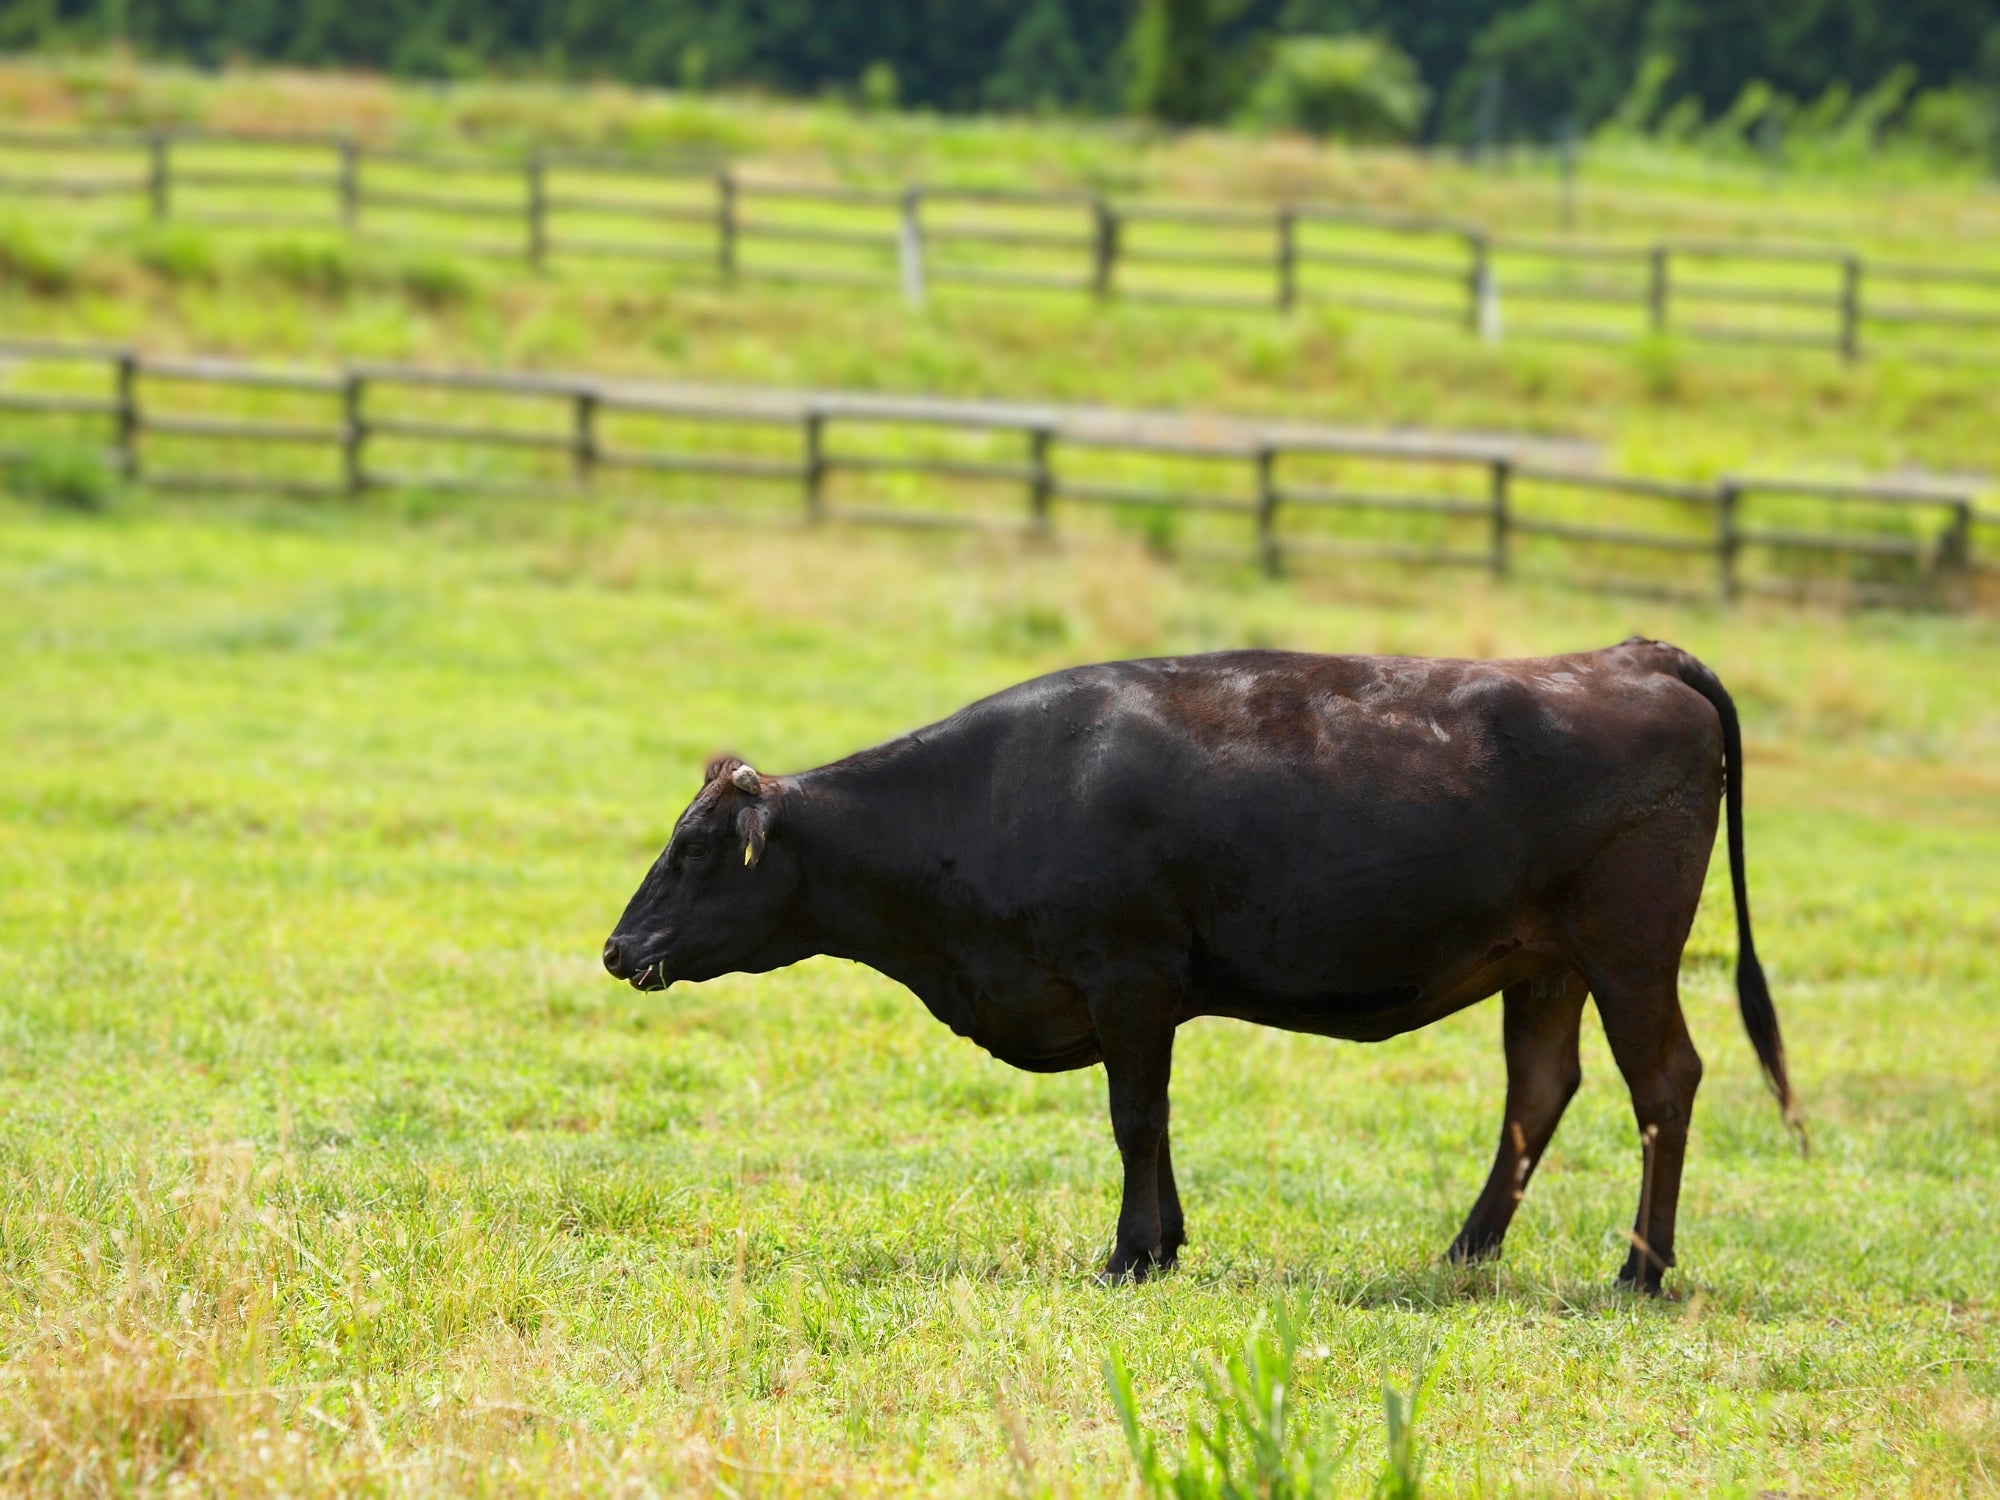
<point x="868" y="891"/>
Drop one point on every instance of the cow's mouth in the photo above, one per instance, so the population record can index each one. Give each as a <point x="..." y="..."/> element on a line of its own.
<point x="651" y="978"/>
<point x="626" y="959"/>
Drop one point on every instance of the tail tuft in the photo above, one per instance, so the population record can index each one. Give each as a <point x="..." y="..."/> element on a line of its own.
<point x="1760" y="1020"/>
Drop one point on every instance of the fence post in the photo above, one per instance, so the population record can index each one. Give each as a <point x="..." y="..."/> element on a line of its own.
<point x="1103" y="248"/>
<point x="159" y="173"/>
<point x="1566" y="166"/>
<point x="1954" y="555"/>
<point x="1288" y="260"/>
<point x="1041" y="481"/>
<point x="1728" y="541"/>
<point x="583" y="438"/>
<point x="815" y="467"/>
<point x="1656" y="288"/>
<point x="353" y="431"/>
<point x="1267" y="509"/>
<point x="1484" y="297"/>
<point x="348" y="183"/>
<point x="538" y="214"/>
<point x="1499" y="481"/>
<point x="910" y="248"/>
<point x="1850" y="308"/>
<point x="725" y="225"/>
<point x="127" y="439"/>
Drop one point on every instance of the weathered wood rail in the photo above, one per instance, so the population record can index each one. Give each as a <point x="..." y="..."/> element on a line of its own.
<point x="735" y="225"/>
<point x="1282" y="494"/>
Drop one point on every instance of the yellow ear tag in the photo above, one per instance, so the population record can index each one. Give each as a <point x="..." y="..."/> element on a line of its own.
<point x="746" y="853"/>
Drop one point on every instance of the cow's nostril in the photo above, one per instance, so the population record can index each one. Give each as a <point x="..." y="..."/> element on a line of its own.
<point x="614" y="957"/>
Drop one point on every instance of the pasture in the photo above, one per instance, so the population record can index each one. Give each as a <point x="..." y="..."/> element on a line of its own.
<point x="1663" y="407"/>
<point x="1624" y="184"/>
<point x="332" y="1161"/>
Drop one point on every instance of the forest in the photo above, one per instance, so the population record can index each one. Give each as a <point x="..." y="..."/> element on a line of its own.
<point x="1436" y="70"/>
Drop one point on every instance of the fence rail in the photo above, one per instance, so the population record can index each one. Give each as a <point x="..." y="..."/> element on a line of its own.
<point x="1276" y="495"/>
<point x="1224" y="257"/>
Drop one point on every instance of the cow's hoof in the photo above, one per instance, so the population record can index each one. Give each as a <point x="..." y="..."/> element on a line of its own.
<point x="1643" y="1270"/>
<point x="1131" y="1265"/>
<point x="1471" y="1250"/>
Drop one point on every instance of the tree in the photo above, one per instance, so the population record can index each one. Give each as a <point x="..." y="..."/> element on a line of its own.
<point x="1360" y="88"/>
<point x="1172" y="57"/>
<point x="1562" y="59"/>
<point x="1041" y="65"/>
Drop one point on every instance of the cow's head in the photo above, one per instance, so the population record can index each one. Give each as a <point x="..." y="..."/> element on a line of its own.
<point x="715" y="900"/>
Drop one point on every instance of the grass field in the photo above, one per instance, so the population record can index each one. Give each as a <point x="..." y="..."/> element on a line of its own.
<point x="1927" y="291"/>
<point x="1835" y="188"/>
<point x="332" y="1161"/>
<point x="1663" y="407"/>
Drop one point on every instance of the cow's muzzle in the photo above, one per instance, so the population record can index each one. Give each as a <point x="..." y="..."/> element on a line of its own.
<point x="626" y="958"/>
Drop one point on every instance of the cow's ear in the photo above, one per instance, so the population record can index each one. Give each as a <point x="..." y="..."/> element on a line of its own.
<point x="753" y="826"/>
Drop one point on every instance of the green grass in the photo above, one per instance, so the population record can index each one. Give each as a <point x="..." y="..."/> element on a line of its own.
<point x="1664" y="407"/>
<point x="329" y="1160"/>
<point x="1668" y="406"/>
<point x="1625" y="186"/>
<point x="1899" y="213"/>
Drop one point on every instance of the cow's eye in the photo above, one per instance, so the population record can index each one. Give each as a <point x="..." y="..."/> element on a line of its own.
<point x="694" y="850"/>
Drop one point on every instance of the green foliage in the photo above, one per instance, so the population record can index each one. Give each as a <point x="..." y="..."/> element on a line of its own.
<point x="1838" y="130"/>
<point x="1660" y="360"/>
<point x="1171" y="53"/>
<point x="63" y="474"/>
<point x="1252" y="1444"/>
<point x="315" y="266"/>
<point x="694" y="68"/>
<point x="1554" y="62"/>
<point x="1402" y="1476"/>
<point x="879" y="90"/>
<point x="436" y="280"/>
<point x="1031" y="629"/>
<point x="1648" y="95"/>
<point x="1359" y="88"/>
<point x="177" y="253"/>
<point x="1248" y="1443"/>
<point x="1041" y="67"/>
<point x="1864" y="123"/>
<point x="1159" y="527"/>
<point x="1961" y="123"/>
<point x="29" y="258"/>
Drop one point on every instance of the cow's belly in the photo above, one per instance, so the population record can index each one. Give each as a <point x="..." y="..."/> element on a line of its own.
<point x="1368" y="988"/>
<point x="1023" y="1017"/>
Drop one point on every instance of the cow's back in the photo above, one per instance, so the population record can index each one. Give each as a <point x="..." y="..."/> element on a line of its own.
<point x="1324" y="825"/>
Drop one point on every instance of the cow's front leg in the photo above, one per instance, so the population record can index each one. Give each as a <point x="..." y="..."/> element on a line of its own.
<point x="1173" y="1225"/>
<point x="1138" y="1057"/>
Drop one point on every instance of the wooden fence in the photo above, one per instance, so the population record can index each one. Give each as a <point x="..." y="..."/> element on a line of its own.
<point x="1279" y="495"/>
<point x="732" y="225"/>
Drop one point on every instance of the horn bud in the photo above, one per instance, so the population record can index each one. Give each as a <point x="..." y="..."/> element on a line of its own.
<point x="746" y="779"/>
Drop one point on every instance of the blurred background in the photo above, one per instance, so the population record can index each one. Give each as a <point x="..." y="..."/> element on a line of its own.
<point x="1839" y="77"/>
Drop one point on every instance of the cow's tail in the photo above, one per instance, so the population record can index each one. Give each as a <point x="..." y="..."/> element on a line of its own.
<point x="1753" y="995"/>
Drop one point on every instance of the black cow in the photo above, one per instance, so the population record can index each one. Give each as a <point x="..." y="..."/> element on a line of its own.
<point x="1349" y="846"/>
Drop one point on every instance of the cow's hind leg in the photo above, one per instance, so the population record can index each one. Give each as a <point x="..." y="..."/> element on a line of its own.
<point x="1540" y="1023"/>
<point x="1649" y="1039"/>
<point x="1627" y="933"/>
